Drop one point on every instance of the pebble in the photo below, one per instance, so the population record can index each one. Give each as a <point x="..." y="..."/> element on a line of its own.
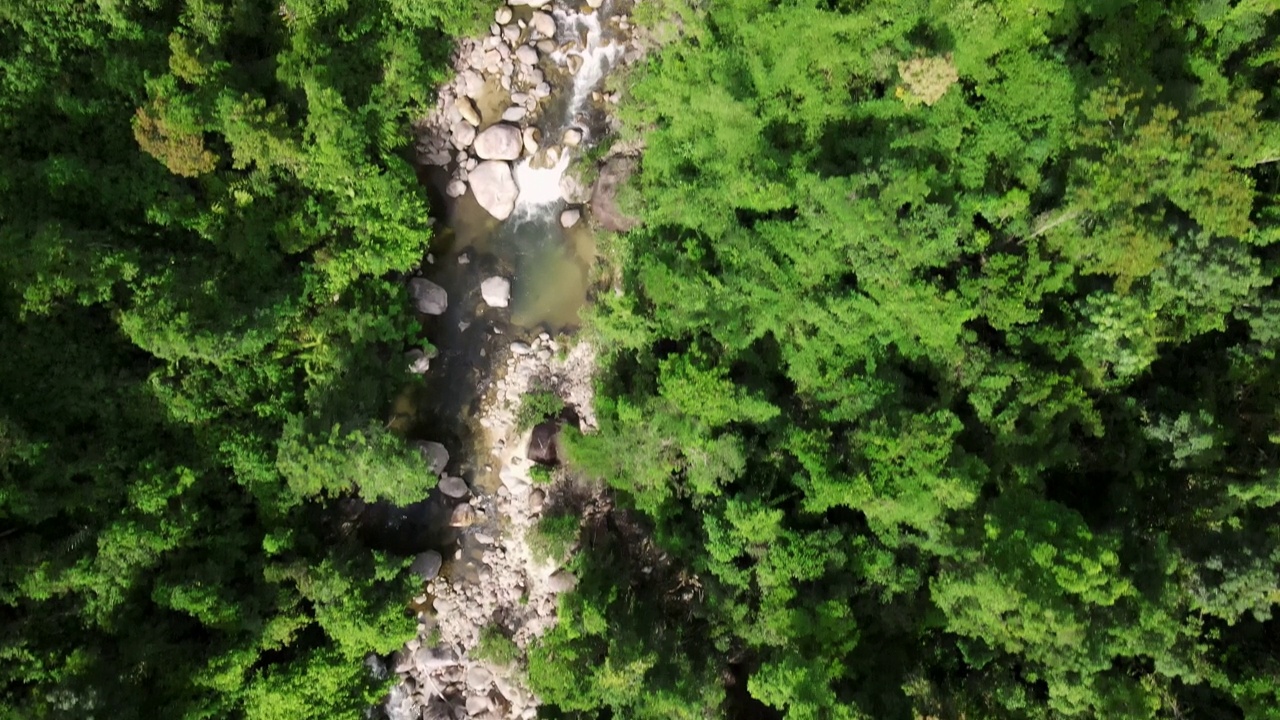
<point x="520" y="348"/>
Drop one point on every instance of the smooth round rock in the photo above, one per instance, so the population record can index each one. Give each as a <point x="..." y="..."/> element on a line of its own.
<point x="454" y="487"/>
<point x="570" y="217"/>
<point x="494" y="187"/>
<point x="427" y="565"/>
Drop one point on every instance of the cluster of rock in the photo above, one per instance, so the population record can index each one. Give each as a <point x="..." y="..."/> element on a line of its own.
<point x="510" y="590"/>
<point x="486" y="117"/>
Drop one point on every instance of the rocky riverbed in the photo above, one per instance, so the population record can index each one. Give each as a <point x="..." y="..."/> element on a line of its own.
<point x="525" y="100"/>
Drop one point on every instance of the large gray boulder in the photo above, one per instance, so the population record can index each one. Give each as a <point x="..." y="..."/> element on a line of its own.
<point x="499" y="142"/>
<point x="494" y="187"/>
<point x="542" y="443"/>
<point x="428" y="297"/>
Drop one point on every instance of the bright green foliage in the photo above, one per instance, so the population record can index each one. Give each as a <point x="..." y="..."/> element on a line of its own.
<point x="946" y="363"/>
<point x="552" y="537"/>
<point x="201" y="208"/>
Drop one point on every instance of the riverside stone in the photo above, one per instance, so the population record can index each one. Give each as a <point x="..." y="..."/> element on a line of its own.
<point x="467" y="110"/>
<point x="543" y="24"/>
<point x="570" y="217"/>
<point x="499" y="142"/>
<point x="427" y="565"/>
<point x="494" y="187"/>
<point x="454" y="487"/>
<point x="434" y="454"/>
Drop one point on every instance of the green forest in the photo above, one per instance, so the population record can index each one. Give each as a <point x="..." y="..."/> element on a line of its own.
<point x="203" y="206"/>
<point x="943" y="379"/>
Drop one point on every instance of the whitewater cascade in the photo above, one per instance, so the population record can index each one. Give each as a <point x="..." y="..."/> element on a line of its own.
<point x="539" y="187"/>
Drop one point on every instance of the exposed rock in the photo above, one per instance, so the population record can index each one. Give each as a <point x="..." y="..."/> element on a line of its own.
<point x="427" y="659"/>
<point x="502" y="15"/>
<point x="531" y="136"/>
<point x="496" y="291"/>
<point x="543" y="24"/>
<point x="467" y="109"/>
<point x="604" y="208"/>
<point x="499" y="142"/>
<point x="427" y="565"/>
<point x="571" y="137"/>
<point x="520" y="348"/>
<point x="477" y="704"/>
<point x="572" y="191"/>
<point x="530" y="3"/>
<point x="494" y="188"/>
<point x="515" y="113"/>
<point x="464" y="133"/>
<point x="434" y="454"/>
<point x="417" y="361"/>
<point x="456" y="188"/>
<point x="561" y="581"/>
<point x="463" y="516"/>
<point x="546" y="47"/>
<point x="527" y="55"/>
<point x="574" y="63"/>
<point x="542" y="90"/>
<point x="542" y="442"/>
<point x="537" y="499"/>
<point x="479" y="677"/>
<point x="472" y="83"/>
<point x="570" y="217"/>
<point x="454" y="487"/>
<point x="428" y="297"/>
<point x="595" y="4"/>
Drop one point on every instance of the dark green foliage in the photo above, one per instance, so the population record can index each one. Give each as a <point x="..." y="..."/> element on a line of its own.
<point x="946" y="364"/>
<point x="537" y="406"/>
<point x="496" y="647"/>
<point x="201" y="205"/>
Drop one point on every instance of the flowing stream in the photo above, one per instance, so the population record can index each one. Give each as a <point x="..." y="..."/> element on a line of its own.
<point x="549" y="267"/>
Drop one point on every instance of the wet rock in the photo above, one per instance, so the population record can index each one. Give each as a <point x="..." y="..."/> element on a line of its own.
<point x="456" y="188"/>
<point x="426" y="659"/>
<point x="467" y="109"/>
<point x="571" y="137"/>
<point x="511" y="34"/>
<point x="499" y="142"/>
<point x="570" y="217"/>
<point x="433" y="454"/>
<point x="542" y="90"/>
<point x="574" y="63"/>
<point x="454" y="487"/>
<point x="427" y="565"/>
<point x="496" y="291"/>
<point x="542" y="442"/>
<point x="546" y="47"/>
<point x="543" y="24"/>
<point x="428" y="297"/>
<point x="520" y="348"/>
<point x="502" y="15"/>
<point x="463" y="516"/>
<point x="531" y="137"/>
<point x="561" y="581"/>
<point x="494" y="188"/>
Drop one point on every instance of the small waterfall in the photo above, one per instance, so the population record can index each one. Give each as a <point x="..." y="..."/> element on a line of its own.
<point x="540" y="187"/>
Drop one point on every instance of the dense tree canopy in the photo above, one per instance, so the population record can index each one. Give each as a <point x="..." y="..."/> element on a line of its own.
<point x="202" y="203"/>
<point x="946" y="367"/>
